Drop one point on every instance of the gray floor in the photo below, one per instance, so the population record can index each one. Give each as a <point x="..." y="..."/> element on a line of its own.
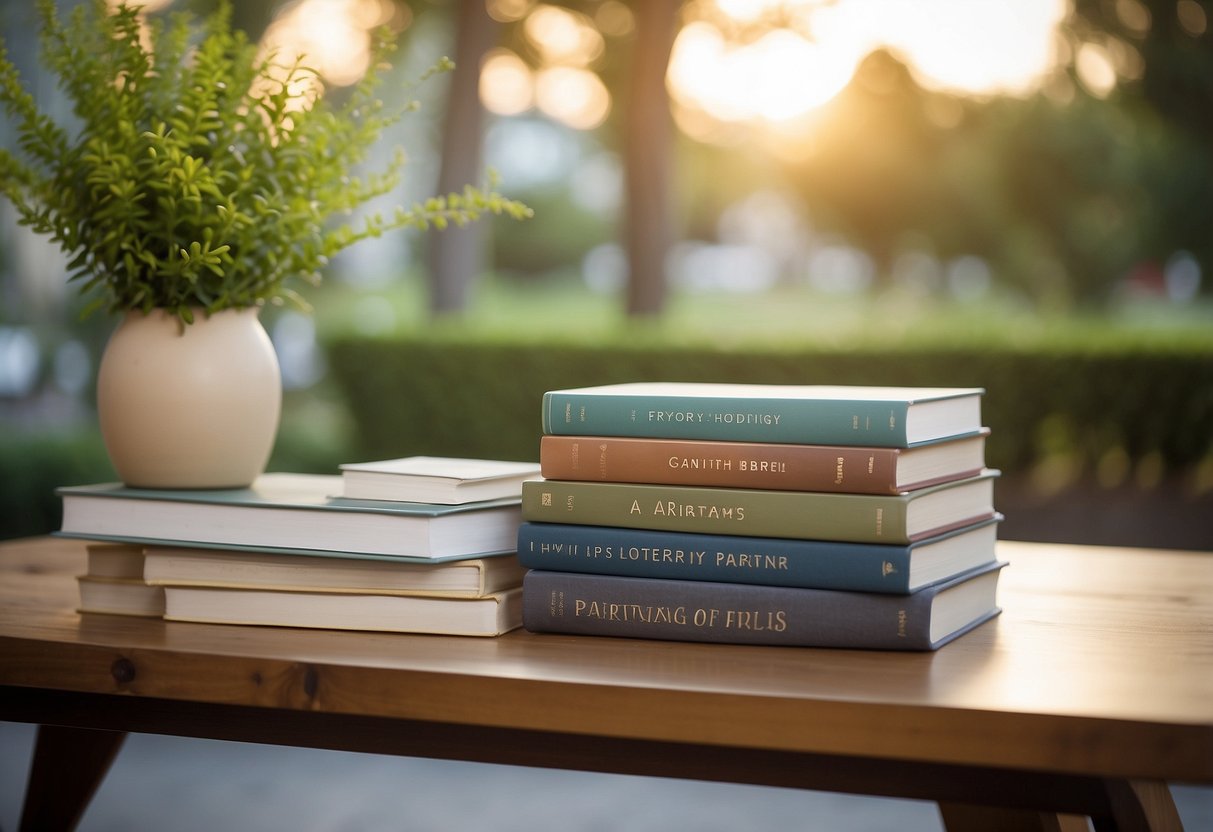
<point x="169" y="784"/>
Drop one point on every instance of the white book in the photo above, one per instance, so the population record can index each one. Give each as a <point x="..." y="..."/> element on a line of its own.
<point x="488" y="616"/>
<point x="120" y="596"/>
<point x="433" y="479"/>
<point x="168" y="565"/>
<point x="115" y="560"/>
<point x="289" y="512"/>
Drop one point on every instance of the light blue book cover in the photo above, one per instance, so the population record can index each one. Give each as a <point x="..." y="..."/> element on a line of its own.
<point x="795" y="414"/>
<point x="296" y="512"/>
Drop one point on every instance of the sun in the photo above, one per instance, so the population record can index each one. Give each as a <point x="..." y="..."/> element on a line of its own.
<point x="788" y="71"/>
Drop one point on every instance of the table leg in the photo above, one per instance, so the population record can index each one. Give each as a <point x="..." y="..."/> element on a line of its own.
<point x="1139" y="806"/>
<point x="960" y="817"/>
<point x="68" y="766"/>
<point x="1127" y="806"/>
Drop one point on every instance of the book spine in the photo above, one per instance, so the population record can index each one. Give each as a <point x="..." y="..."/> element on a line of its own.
<point x="801" y="515"/>
<point x="606" y="605"/>
<point x="702" y="557"/>
<point x="789" y="421"/>
<point x="834" y="468"/>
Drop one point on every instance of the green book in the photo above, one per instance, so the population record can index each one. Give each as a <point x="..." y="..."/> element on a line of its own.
<point x="888" y="417"/>
<point x="801" y="515"/>
<point x="290" y="512"/>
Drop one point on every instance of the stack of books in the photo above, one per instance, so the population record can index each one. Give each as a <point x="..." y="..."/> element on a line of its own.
<point x="855" y="517"/>
<point x="417" y="545"/>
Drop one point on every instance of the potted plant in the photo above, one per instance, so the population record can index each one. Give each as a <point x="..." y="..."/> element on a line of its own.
<point x="204" y="181"/>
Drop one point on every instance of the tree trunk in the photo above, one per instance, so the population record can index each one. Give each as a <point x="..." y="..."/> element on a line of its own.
<point x="456" y="255"/>
<point x="648" y="158"/>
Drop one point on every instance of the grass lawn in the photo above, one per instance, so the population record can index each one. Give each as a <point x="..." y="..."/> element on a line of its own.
<point x="795" y="315"/>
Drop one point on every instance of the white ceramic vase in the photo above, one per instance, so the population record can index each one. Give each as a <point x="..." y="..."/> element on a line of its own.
<point x="192" y="407"/>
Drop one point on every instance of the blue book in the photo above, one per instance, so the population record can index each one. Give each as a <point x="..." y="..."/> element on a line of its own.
<point x="297" y="513"/>
<point x="820" y="564"/>
<point x="656" y="608"/>
<point x="888" y="417"/>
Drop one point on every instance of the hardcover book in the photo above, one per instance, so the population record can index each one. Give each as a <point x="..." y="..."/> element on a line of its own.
<point x="120" y="596"/>
<point x="490" y="615"/>
<point x="430" y="479"/>
<point x="115" y="560"/>
<point x="289" y="511"/>
<point x="275" y="570"/>
<point x="113" y="582"/>
<point x="859" y="567"/>
<point x="839" y="468"/>
<point x="656" y="608"/>
<point x="801" y="515"/>
<point x="893" y="417"/>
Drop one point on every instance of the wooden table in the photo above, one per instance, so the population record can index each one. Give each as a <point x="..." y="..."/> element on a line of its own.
<point x="1090" y="692"/>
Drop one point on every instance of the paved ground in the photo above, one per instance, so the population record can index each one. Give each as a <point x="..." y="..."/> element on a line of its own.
<point x="166" y="784"/>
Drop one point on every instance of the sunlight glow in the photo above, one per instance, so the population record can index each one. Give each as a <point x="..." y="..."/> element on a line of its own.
<point x="576" y="97"/>
<point x="567" y="43"/>
<point x="333" y="35"/>
<point x="614" y="18"/>
<point x="506" y="84"/>
<point x="562" y="36"/>
<point x="779" y="76"/>
<point x="1095" y="69"/>
<point x="508" y="11"/>
<point x="968" y="47"/>
<point x="1192" y="17"/>
<point x="957" y="46"/>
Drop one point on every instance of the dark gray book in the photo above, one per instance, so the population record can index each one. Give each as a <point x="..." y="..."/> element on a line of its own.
<point x="660" y="608"/>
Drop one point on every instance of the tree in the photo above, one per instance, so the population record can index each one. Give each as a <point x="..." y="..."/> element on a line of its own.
<point x="648" y="158"/>
<point x="874" y="172"/>
<point x="456" y="256"/>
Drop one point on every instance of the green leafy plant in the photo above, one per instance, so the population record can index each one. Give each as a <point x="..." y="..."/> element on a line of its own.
<point x="202" y="175"/>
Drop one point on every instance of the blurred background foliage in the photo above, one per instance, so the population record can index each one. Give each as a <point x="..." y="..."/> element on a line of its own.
<point x="794" y="174"/>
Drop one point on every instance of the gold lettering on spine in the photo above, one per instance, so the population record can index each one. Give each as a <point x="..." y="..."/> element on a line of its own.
<point x="672" y="508"/>
<point x="756" y="621"/>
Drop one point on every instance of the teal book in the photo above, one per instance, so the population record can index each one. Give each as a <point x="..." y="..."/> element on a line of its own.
<point x="800" y="515"/>
<point x="818" y="564"/>
<point x="298" y="513"/>
<point x="890" y="417"/>
<point x="657" y="608"/>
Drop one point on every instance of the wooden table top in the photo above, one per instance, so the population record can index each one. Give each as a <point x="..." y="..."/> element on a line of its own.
<point x="1101" y="663"/>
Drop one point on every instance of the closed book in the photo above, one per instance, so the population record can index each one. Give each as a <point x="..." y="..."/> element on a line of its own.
<point x="115" y="560"/>
<point x="657" y="608"/>
<point x="802" y="515"/>
<point x="432" y="479"/>
<point x="288" y="511"/>
<point x="893" y="417"/>
<point x="120" y="596"/>
<point x="839" y="468"/>
<point x="859" y="567"/>
<point x="379" y="576"/>
<point x="491" y="615"/>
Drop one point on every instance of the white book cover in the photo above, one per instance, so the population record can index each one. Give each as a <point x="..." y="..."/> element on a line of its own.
<point x="432" y="479"/>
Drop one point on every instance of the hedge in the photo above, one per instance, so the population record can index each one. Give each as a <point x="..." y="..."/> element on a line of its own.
<point x="466" y="395"/>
